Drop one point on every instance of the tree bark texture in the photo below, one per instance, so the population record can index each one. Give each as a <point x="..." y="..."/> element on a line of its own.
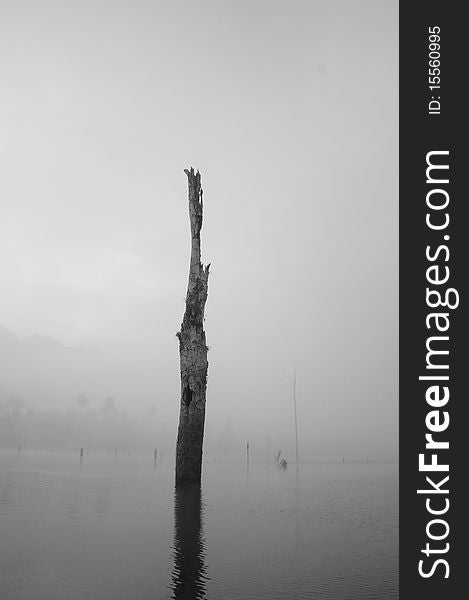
<point x="193" y="349"/>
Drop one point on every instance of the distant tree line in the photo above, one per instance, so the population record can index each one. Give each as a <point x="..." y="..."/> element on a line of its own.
<point x="102" y="428"/>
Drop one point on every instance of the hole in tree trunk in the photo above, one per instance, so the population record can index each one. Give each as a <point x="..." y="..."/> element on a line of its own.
<point x="187" y="395"/>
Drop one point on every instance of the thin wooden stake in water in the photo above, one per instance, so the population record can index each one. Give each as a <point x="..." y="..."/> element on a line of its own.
<point x="155" y="458"/>
<point x="81" y="456"/>
<point x="293" y="381"/>
<point x="247" y="453"/>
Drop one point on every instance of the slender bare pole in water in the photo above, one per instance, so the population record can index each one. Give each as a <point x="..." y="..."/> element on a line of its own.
<point x="193" y="349"/>
<point x="293" y="381"/>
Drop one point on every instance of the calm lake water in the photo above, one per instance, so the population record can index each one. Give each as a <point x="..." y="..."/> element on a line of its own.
<point x="116" y="529"/>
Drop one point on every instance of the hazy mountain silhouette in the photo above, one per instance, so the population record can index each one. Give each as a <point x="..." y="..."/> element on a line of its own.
<point x="41" y="370"/>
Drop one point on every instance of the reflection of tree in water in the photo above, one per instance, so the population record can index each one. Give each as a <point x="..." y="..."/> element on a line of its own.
<point x="189" y="571"/>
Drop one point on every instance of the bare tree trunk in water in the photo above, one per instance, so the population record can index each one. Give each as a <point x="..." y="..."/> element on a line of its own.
<point x="193" y="350"/>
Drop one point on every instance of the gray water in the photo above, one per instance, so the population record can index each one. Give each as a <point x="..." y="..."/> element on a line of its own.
<point x="116" y="529"/>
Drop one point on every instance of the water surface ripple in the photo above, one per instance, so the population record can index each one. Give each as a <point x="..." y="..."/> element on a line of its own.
<point x="120" y="530"/>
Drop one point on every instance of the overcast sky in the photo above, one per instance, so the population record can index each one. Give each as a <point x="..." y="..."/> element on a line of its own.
<point x="289" y="110"/>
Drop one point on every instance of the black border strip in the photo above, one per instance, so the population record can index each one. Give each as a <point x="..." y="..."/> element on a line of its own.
<point x="420" y="133"/>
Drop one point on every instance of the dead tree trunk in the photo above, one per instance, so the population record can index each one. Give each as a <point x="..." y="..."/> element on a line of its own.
<point x="193" y="350"/>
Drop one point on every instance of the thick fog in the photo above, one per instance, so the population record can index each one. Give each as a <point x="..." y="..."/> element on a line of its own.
<point x="289" y="111"/>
